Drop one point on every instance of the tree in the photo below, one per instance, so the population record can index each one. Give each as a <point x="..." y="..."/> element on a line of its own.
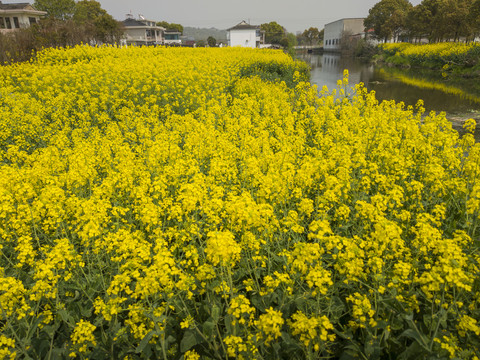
<point x="312" y="35"/>
<point x="453" y="16"/>
<point x="474" y="17"/>
<point x="274" y="33"/>
<point x="416" y="22"/>
<point x="211" y="41"/>
<point x="87" y="10"/>
<point x="103" y="26"/>
<point x="171" y="26"/>
<point x="58" y="9"/>
<point x="388" y="18"/>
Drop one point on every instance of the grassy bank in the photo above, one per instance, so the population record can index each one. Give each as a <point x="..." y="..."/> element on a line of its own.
<point x="448" y="58"/>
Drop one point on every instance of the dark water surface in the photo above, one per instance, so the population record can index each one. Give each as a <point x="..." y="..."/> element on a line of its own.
<point x="459" y="99"/>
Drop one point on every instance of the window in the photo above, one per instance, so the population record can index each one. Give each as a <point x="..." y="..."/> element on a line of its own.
<point x="9" y="24"/>
<point x="16" y="23"/>
<point x="2" y="23"/>
<point x="32" y="20"/>
<point x="171" y="36"/>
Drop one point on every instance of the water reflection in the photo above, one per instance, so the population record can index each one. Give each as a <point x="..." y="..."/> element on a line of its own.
<point x="327" y="69"/>
<point x="401" y="85"/>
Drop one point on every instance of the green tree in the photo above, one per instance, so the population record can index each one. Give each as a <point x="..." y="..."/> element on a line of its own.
<point x="429" y="15"/>
<point x="274" y="33"/>
<point x="453" y="18"/>
<point x="416" y="22"/>
<point x="171" y="26"/>
<point x="103" y="26"/>
<point x="58" y="9"/>
<point x="312" y="35"/>
<point x="87" y="10"/>
<point x="474" y="17"/>
<point x="211" y="41"/>
<point x="388" y="18"/>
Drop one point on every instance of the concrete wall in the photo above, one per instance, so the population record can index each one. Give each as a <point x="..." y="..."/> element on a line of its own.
<point x="332" y="35"/>
<point x="335" y="30"/>
<point x="135" y="34"/>
<point x="244" y="38"/>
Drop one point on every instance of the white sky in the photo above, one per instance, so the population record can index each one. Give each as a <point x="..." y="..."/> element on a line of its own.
<point x="293" y="15"/>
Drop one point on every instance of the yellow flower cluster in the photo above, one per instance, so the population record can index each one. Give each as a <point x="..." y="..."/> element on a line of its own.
<point x="82" y="336"/>
<point x="221" y="248"/>
<point x="441" y="55"/>
<point x="6" y="347"/>
<point x="443" y="49"/>
<point x="312" y="329"/>
<point x="270" y="324"/>
<point x="169" y="202"/>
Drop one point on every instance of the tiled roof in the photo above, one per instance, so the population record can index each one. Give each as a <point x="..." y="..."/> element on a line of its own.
<point x="133" y="22"/>
<point x="244" y="26"/>
<point x="19" y="6"/>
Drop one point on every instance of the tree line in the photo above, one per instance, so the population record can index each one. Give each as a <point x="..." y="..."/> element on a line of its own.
<point x="68" y="23"/>
<point x="434" y="20"/>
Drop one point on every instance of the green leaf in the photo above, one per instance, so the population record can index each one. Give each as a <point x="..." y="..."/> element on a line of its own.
<point x="228" y="324"/>
<point x="190" y="339"/>
<point x="86" y="311"/>
<point x="412" y="352"/>
<point x="397" y="324"/>
<point x="215" y="313"/>
<point x="144" y="342"/>
<point x="207" y="328"/>
<point x="258" y="303"/>
<point x="66" y="317"/>
<point x="412" y="334"/>
<point x="427" y="320"/>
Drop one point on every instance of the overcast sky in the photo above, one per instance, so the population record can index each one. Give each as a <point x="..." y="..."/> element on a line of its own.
<point x="296" y="15"/>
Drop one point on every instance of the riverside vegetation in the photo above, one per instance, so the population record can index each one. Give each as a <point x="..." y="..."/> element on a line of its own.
<point x="188" y="204"/>
<point x="450" y="58"/>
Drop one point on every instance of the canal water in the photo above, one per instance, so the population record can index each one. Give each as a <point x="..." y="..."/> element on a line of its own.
<point x="459" y="99"/>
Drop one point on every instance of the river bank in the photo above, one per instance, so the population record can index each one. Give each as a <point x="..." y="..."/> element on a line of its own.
<point x="449" y="59"/>
<point x="457" y="97"/>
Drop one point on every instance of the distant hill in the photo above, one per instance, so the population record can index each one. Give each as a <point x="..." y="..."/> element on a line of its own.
<point x="203" y="34"/>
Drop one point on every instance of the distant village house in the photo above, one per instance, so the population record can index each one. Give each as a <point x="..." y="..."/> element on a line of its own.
<point x="18" y="16"/>
<point x="245" y="35"/>
<point x="142" y="31"/>
<point x="172" y="37"/>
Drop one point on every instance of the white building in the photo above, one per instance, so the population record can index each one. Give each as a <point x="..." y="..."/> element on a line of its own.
<point x="245" y="35"/>
<point x="335" y="31"/>
<point x="18" y="16"/>
<point x="142" y="32"/>
<point x="172" y="37"/>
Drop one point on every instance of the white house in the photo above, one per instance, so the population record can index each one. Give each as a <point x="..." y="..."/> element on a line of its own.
<point x="142" y="31"/>
<point x="335" y="31"/>
<point x="172" y="37"/>
<point x="18" y="16"/>
<point x="245" y="35"/>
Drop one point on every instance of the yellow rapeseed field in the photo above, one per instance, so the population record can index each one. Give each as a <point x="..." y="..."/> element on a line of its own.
<point x="171" y="203"/>
<point x="441" y="55"/>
